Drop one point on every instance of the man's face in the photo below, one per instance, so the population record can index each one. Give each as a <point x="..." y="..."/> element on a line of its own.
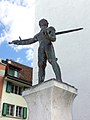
<point x="43" y="26"/>
<point x="43" y="23"/>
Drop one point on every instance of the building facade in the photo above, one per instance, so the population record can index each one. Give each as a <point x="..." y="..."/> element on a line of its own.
<point x="14" y="79"/>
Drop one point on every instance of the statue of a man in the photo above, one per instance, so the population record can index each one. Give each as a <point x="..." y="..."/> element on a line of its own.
<point x="45" y="51"/>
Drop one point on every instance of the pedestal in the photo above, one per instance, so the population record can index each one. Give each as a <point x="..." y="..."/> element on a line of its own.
<point x="50" y="100"/>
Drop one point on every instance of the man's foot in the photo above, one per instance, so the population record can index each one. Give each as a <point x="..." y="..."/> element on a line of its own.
<point x="40" y="82"/>
<point x="60" y="80"/>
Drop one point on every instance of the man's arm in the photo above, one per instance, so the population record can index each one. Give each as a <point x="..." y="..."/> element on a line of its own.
<point x="24" y="41"/>
<point x="50" y="34"/>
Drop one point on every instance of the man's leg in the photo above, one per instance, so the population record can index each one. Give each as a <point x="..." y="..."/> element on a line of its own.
<point x="56" y="69"/>
<point x="41" y="65"/>
<point x="41" y="73"/>
<point x="53" y="61"/>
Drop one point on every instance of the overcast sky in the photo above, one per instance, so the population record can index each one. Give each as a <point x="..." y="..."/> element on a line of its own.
<point x="16" y="19"/>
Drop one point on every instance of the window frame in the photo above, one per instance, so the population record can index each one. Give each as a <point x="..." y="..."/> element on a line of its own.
<point x="8" y="110"/>
<point x="16" y="89"/>
<point x="19" y="112"/>
<point x="13" y="72"/>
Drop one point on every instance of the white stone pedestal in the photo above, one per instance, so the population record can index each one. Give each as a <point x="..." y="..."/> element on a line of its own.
<point x="50" y="100"/>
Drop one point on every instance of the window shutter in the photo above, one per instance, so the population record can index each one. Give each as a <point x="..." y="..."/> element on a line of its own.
<point x="8" y="88"/>
<point x="24" y="113"/>
<point x="4" y="110"/>
<point x="11" y="72"/>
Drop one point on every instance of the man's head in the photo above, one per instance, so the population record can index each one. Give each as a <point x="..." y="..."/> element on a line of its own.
<point x="43" y="22"/>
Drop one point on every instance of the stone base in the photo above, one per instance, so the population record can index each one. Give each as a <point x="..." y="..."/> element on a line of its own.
<point x="50" y="100"/>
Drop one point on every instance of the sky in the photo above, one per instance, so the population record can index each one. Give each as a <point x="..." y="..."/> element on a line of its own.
<point x="16" y="19"/>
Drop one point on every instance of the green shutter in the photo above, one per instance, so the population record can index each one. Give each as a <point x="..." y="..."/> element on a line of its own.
<point x="8" y="88"/>
<point x="4" y="110"/>
<point x="11" y="72"/>
<point x="24" y="113"/>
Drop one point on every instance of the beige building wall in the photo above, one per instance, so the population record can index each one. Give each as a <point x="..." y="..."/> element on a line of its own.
<point x="13" y="99"/>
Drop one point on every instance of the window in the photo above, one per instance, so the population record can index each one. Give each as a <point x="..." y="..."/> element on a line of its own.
<point x="13" y="72"/>
<point x="16" y="89"/>
<point x="20" y="90"/>
<point x="19" y="111"/>
<point x="8" y="110"/>
<point x="12" y="88"/>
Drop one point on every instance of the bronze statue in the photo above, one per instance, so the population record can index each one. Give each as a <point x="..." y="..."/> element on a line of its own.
<point x="46" y="51"/>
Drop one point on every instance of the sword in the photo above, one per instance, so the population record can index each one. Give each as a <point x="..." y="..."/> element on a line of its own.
<point x="67" y="31"/>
